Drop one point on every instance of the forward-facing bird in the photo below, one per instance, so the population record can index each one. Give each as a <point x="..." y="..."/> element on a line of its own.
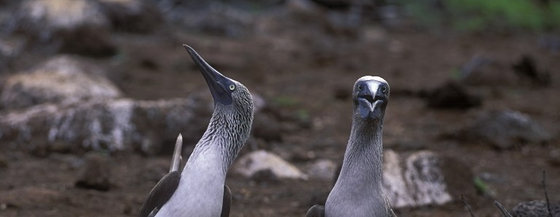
<point x="200" y="190"/>
<point x="358" y="190"/>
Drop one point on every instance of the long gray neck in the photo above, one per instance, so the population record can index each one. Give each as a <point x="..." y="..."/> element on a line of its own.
<point x="363" y="159"/>
<point x="201" y="187"/>
<point x="359" y="188"/>
<point x="224" y="137"/>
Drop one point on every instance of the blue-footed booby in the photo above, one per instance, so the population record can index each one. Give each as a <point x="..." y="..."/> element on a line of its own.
<point x="358" y="191"/>
<point x="200" y="190"/>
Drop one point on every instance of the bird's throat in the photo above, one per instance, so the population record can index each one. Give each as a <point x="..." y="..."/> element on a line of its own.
<point x="363" y="159"/>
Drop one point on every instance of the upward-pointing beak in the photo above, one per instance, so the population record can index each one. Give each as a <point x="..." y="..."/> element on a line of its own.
<point x="217" y="82"/>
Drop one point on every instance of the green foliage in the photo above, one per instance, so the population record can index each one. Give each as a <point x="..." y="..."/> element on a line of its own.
<point x="455" y="74"/>
<point x="513" y="13"/>
<point x="478" y="15"/>
<point x="302" y="115"/>
<point x="554" y="14"/>
<point x="483" y="188"/>
<point x="422" y="12"/>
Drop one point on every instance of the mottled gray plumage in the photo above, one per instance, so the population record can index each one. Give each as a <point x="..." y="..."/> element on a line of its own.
<point x="201" y="189"/>
<point x="358" y="190"/>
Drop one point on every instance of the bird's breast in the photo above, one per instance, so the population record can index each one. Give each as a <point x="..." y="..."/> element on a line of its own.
<point x="201" y="189"/>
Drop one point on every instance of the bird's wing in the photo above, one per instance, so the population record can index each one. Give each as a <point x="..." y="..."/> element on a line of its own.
<point x="226" y="204"/>
<point x="166" y="186"/>
<point x="177" y="154"/>
<point x="161" y="193"/>
<point x="316" y="211"/>
<point x="154" y="212"/>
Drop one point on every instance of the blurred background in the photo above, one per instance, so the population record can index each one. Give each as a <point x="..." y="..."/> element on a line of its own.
<point x="94" y="92"/>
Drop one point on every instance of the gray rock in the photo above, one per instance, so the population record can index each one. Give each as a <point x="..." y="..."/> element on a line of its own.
<point x="132" y="15"/>
<point x="108" y="124"/>
<point x="426" y="179"/>
<point x="452" y="95"/>
<point x="529" y="72"/>
<point x="63" y="14"/>
<point x="61" y="79"/>
<point x="395" y="185"/>
<point x="259" y="102"/>
<point x="502" y="129"/>
<point x="261" y="160"/>
<point x="76" y="26"/>
<point x="486" y="71"/>
<point x="535" y="209"/>
<point x="423" y="178"/>
<point x="9" y="50"/>
<point x="321" y="169"/>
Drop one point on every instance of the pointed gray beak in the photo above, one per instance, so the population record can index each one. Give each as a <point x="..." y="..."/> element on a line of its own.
<point x="217" y="82"/>
<point x="371" y="99"/>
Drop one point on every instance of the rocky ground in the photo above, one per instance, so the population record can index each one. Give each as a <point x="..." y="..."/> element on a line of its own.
<point x="90" y="105"/>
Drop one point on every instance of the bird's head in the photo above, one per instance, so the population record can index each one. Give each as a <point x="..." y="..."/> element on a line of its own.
<point x="228" y="94"/>
<point x="371" y="96"/>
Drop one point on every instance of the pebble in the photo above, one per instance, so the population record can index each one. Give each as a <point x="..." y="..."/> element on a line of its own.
<point x="96" y="174"/>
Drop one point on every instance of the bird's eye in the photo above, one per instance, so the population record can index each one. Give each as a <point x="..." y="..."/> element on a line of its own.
<point x="383" y="89"/>
<point x="359" y="87"/>
<point x="232" y="87"/>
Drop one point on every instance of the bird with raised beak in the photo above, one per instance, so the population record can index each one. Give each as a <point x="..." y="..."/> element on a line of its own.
<point x="200" y="190"/>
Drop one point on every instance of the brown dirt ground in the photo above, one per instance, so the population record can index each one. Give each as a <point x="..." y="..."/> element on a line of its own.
<point x="157" y="67"/>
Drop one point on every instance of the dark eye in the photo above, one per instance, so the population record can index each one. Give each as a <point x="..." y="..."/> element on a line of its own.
<point x="384" y="89"/>
<point x="359" y="87"/>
